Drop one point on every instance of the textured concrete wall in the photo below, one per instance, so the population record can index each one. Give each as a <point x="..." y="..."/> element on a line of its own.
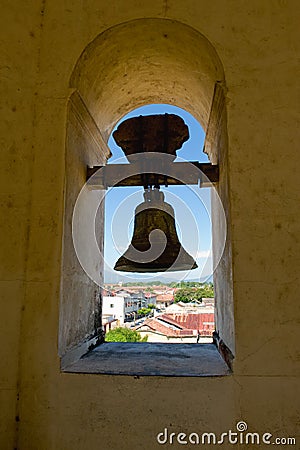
<point x="112" y="81"/>
<point x="257" y="44"/>
<point x="80" y="297"/>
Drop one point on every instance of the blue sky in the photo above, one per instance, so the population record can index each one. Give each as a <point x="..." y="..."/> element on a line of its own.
<point x="191" y="205"/>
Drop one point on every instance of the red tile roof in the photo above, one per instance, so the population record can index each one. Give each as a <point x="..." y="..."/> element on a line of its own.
<point x="164" y="298"/>
<point x="190" y="320"/>
<point x="168" y="319"/>
<point x="157" y="326"/>
<point x="204" y="321"/>
<point x="187" y="324"/>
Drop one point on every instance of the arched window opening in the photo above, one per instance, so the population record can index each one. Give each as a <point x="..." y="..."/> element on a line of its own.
<point x="148" y="303"/>
<point x="168" y="63"/>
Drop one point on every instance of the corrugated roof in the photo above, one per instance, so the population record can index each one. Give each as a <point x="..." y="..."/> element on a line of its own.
<point x="187" y="324"/>
<point x="190" y="321"/>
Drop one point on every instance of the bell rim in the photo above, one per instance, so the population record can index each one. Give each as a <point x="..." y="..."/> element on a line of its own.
<point x="138" y="267"/>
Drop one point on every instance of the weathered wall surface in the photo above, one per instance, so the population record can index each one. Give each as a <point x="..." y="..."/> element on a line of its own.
<point x="258" y="45"/>
<point x="18" y="74"/>
<point x="80" y="315"/>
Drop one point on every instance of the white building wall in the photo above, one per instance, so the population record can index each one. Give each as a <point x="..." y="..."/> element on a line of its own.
<point x="158" y="337"/>
<point x="114" y="306"/>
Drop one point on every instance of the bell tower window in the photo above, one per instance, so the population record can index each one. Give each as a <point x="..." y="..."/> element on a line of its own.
<point x="96" y="105"/>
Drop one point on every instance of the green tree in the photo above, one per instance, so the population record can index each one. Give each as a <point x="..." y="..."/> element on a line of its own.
<point x="121" y="334"/>
<point x="148" y="289"/>
<point x="144" y="311"/>
<point x="151" y="306"/>
<point x="194" y="294"/>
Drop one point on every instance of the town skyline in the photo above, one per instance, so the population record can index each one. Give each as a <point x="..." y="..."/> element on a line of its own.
<point x="183" y="313"/>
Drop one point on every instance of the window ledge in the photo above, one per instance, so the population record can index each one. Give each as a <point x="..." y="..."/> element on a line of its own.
<point x="152" y="359"/>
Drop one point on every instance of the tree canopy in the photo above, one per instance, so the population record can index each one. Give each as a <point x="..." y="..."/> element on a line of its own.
<point x="146" y="311"/>
<point x="122" y="334"/>
<point x="194" y="294"/>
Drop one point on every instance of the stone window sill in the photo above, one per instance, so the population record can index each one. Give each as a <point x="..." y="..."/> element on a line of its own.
<point x="150" y="359"/>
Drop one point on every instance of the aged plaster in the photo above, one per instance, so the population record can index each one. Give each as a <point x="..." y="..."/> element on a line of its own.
<point x="258" y="46"/>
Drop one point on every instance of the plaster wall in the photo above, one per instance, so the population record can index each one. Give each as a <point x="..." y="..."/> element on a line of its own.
<point x="222" y="251"/>
<point x="156" y="337"/>
<point x="258" y="44"/>
<point x="80" y="305"/>
<point x="118" y="309"/>
<point x="155" y="71"/>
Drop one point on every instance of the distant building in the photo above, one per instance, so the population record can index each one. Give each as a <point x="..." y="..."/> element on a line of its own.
<point x="150" y="299"/>
<point x="201" y="322"/>
<point x="180" y="327"/>
<point x="114" y="306"/>
<point x="107" y="292"/>
<point x="125" y="305"/>
<point x="108" y="322"/>
<point x="181" y="307"/>
<point x="164" y="300"/>
<point x="208" y="301"/>
<point x="122" y="292"/>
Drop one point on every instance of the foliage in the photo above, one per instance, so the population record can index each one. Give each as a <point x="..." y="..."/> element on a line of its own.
<point x="197" y="284"/>
<point x="194" y="294"/>
<point x="143" y="283"/>
<point x="151" y="306"/>
<point x="124" y="335"/>
<point x="148" y="284"/>
<point x="144" y="311"/>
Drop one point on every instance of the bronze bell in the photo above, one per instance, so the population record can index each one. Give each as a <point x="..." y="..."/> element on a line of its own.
<point x="155" y="246"/>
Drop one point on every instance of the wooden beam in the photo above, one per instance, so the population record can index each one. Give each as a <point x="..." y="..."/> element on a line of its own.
<point x="122" y="175"/>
